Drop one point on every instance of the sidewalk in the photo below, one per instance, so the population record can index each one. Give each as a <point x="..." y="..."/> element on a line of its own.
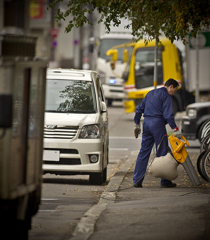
<point x="151" y="212"/>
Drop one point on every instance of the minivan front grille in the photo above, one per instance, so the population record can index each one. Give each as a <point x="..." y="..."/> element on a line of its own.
<point x="60" y="132"/>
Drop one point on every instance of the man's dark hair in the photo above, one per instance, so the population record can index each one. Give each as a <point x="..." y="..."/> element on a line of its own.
<point x="170" y="82"/>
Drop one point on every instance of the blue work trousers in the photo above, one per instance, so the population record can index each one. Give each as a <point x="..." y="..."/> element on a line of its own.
<point x="153" y="131"/>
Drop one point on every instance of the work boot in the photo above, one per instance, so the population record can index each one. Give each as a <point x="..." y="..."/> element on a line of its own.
<point x="137" y="185"/>
<point x="168" y="185"/>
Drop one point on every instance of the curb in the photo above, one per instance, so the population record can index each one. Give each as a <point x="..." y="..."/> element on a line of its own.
<point x="85" y="227"/>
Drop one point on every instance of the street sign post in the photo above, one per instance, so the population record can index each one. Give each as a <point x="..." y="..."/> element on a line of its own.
<point x="54" y="32"/>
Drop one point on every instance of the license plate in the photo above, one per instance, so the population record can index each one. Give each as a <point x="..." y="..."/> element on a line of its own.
<point x="49" y="155"/>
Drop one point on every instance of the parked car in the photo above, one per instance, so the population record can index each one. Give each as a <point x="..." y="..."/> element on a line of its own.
<point x="197" y="116"/>
<point x="76" y="137"/>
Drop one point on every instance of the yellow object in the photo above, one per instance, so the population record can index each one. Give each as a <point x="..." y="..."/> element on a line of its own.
<point x="140" y="68"/>
<point x="139" y="85"/>
<point x="129" y="106"/>
<point x="125" y="55"/>
<point x="113" y="53"/>
<point x="178" y="148"/>
<point x="155" y="84"/>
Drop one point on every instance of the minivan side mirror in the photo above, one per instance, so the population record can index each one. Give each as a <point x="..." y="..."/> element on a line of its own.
<point x="103" y="109"/>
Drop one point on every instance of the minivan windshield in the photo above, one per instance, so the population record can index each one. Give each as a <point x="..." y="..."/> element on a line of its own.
<point x="70" y="96"/>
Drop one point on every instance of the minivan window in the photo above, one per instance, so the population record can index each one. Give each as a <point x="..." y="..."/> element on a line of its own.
<point x="70" y="96"/>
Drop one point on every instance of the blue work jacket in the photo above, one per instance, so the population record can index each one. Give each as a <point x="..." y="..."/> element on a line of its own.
<point x="156" y="104"/>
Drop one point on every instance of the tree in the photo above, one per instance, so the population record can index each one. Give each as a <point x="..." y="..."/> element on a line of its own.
<point x="175" y="18"/>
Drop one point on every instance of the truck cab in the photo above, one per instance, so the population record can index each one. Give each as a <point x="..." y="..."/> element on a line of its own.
<point x="139" y="73"/>
<point x="112" y="80"/>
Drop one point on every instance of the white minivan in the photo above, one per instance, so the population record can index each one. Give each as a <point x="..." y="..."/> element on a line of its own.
<point x="76" y="137"/>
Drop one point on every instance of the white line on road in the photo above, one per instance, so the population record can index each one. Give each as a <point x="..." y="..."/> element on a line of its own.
<point x="49" y="199"/>
<point x="46" y="211"/>
<point x="122" y="138"/>
<point x="118" y="149"/>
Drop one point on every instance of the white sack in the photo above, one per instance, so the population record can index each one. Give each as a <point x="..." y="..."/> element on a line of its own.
<point x="164" y="167"/>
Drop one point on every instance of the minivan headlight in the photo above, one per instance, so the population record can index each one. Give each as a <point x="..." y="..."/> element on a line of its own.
<point x="192" y="112"/>
<point x="90" y="131"/>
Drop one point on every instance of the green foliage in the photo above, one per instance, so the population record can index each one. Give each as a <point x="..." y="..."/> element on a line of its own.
<point x="175" y="18"/>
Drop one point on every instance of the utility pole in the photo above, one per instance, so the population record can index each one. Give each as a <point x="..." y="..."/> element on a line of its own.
<point x="1" y="16"/>
<point x="197" y="70"/>
<point x="155" y="63"/>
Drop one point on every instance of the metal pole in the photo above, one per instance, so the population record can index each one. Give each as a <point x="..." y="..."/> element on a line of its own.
<point x="155" y="64"/>
<point x="197" y="71"/>
<point x="1" y="16"/>
<point x="77" y="45"/>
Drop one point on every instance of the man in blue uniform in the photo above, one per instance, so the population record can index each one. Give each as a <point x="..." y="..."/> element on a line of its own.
<point x="158" y="111"/>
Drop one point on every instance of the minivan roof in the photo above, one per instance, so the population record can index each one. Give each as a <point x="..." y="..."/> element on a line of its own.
<point x="75" y="74"/>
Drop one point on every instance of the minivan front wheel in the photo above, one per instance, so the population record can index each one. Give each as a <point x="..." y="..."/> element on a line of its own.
<point x="98" y="178"/>
<point x="104" y="174"/>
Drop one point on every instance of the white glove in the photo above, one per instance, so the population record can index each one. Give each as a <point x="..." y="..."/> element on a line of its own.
<point x="137" y="130"/>
<point x="177" y="133"/>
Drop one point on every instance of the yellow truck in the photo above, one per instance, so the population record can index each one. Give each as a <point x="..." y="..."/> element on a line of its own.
<point x="139" y="73"/>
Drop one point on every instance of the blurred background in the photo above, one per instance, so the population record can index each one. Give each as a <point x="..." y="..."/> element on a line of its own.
<point x="63" y="50"/>
<point x="80" y="48"/>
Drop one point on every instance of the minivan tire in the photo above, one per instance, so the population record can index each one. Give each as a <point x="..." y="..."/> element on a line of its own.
<point x="104" y="174"/>
<point x="98" y="178"/>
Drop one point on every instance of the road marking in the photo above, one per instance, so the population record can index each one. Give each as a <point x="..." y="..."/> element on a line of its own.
<point x="49" y="199"/>
<point x="46" y="211"/>
<point x="122" y="138"/>
<point x="118" y="149"/>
